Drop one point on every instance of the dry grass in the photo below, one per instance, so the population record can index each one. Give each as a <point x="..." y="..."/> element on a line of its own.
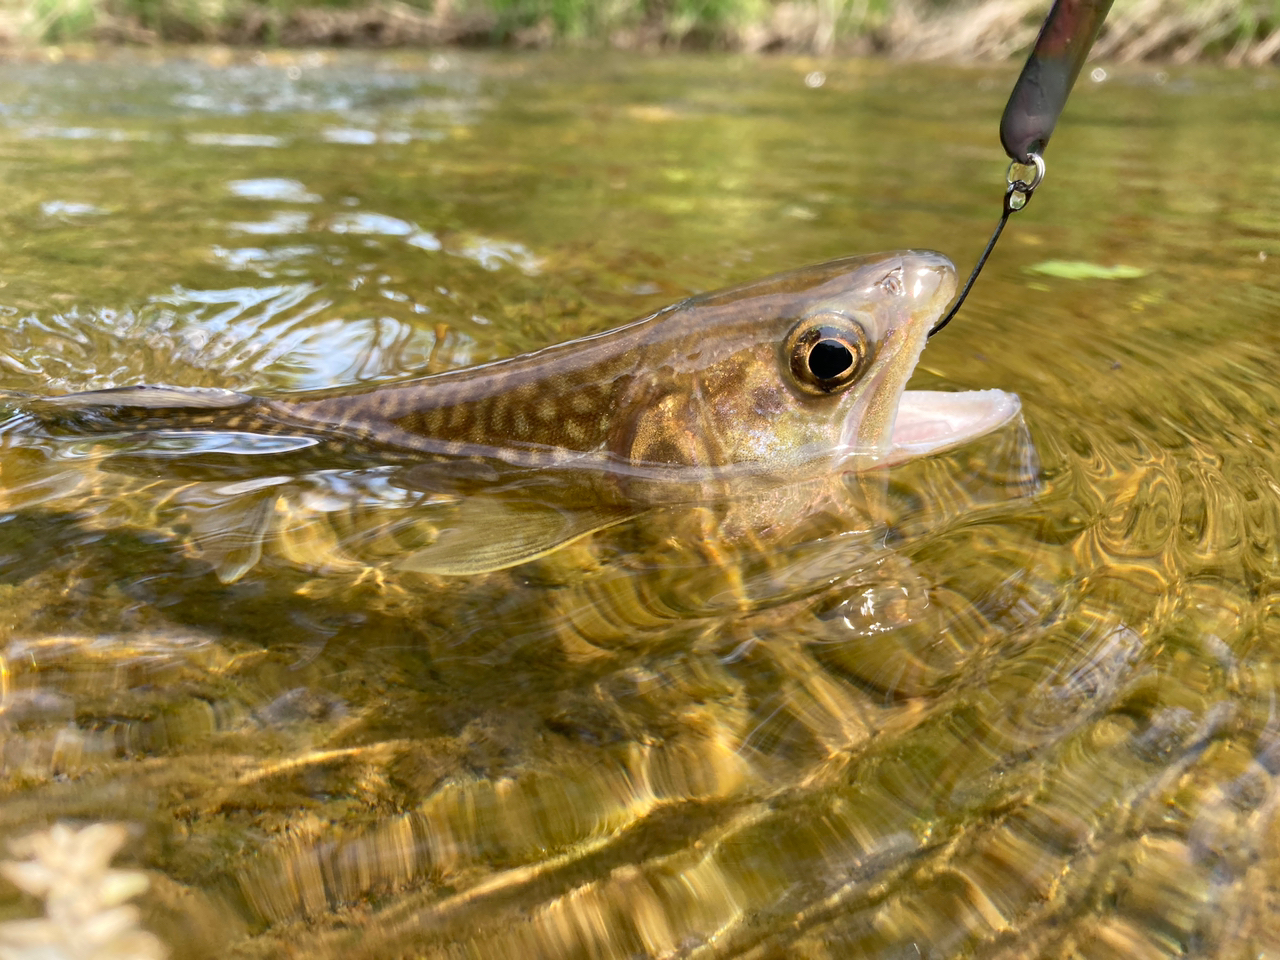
<point x="1240" y="32"/>
<point x="1179" y="31"/>
<point x="994" y="30"/>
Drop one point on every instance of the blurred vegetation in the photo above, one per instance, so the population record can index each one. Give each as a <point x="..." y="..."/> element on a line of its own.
<point x="1237" y="31"/>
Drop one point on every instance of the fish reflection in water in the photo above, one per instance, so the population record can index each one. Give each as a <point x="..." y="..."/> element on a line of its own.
<point x="640" y="598"/>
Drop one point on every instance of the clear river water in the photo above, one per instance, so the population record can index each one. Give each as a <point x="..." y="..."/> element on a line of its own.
<point x="1031" y="712"/>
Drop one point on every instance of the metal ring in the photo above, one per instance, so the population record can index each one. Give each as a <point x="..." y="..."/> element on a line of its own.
<point x="1038" y="162"/>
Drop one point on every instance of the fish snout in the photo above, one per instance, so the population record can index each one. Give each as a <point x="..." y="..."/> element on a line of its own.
<point x="929" y="278"/>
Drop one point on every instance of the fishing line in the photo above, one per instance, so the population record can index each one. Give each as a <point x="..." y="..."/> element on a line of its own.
<point x="1015" y="198"/>
<point x="1034" y="106"/>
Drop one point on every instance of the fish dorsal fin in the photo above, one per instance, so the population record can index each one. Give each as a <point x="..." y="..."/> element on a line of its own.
<point x="490" y="535"/>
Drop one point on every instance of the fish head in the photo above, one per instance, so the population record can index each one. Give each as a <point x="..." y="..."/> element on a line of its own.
<point x="806" y="372"/>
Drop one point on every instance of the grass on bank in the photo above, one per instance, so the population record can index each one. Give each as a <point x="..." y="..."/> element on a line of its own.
<point x="1237" y="31"/>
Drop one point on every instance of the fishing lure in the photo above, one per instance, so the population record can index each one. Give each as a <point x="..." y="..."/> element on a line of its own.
<point x="1033" y="109"/>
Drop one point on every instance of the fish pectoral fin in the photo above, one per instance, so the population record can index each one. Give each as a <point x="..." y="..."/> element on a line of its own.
<point x="491" y="536"/>
<point x="228" y="527"/>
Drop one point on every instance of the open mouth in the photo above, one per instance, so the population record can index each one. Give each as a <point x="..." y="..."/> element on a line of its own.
<point x="930" y="421"/>
<point x="890" y="425"/>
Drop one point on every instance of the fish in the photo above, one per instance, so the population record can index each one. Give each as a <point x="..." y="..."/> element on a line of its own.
<point x="737" y="392"/>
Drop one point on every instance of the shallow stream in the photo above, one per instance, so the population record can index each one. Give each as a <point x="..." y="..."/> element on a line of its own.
<point x="1034" y="714"/>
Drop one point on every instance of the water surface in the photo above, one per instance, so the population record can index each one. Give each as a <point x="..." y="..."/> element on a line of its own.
<point x="1032" y="712"/>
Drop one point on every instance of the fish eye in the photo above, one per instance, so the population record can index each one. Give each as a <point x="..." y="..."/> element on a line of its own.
<point x="826" y="352"/>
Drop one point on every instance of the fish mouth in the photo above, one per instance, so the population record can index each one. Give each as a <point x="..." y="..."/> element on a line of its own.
<point x="923" y="422"/>
<point x="931" y="421"/>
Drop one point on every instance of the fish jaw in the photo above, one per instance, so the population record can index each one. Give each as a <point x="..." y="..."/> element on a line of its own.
<point x="893" y="424"/>
<point x="931" y="421"/>
<point x="927" y="282"/>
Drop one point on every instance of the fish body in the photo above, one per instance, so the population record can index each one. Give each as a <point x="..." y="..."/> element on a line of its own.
<point x="718" y="386"/>
<point x="789" y="379"/>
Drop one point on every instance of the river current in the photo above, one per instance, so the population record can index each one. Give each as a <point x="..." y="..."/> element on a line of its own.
<point x="1030" y="713"/>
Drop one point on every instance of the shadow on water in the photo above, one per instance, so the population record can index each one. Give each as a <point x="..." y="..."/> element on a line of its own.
<point x="1027" y="708"/>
